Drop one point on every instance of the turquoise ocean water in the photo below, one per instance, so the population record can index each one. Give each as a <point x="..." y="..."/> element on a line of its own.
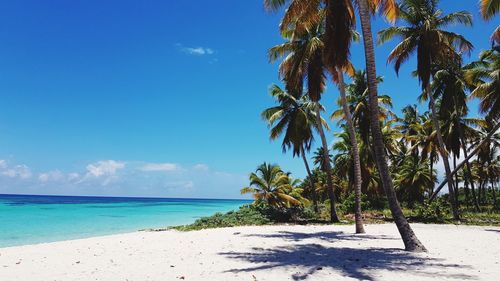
<point x="30" y="219"/>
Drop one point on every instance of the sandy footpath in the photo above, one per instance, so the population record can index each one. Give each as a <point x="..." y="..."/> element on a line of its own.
<point x="263" y="253"/>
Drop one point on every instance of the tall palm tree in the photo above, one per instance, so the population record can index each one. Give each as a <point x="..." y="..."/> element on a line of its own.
<point x="294" y="118"/>
<point x="425" y="35"/>
<point x="303" y="53"/>
<point x="389" y="9"/>
<point x="355" y="154"/>
<point x="269" y="184"/>
<point x="450" y="84"/>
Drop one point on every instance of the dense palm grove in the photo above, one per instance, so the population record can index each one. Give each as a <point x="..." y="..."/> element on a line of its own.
<point x="382" y="158"/>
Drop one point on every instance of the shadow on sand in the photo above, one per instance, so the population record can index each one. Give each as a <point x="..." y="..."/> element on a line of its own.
<point x="330" y="236"/>
<point x="305" y="259"/>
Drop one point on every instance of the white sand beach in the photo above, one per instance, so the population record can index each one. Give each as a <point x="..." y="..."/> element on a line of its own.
<point x="287" y="252"/>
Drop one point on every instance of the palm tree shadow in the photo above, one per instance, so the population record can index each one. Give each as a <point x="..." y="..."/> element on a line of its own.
<point x="352" y="262"/>
<point x="330" y="236"/>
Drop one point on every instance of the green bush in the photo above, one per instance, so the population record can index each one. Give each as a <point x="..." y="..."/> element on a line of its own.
<point x="376" y="203"/>
<point x="348" y="205"/>
<point x="437" y="211"/>
<point x="246" y="215"/>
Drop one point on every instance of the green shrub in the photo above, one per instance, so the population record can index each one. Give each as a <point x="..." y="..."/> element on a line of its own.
<point x="376" y="203"/>
<point x="246" y="215"/>
<point x="437" y="211"/>
<point x="348" y="205"/>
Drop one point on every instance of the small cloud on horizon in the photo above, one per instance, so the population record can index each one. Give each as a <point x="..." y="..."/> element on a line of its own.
<point x="201" y="167"/>
<point x="104" y="168"/>
<point x="196" y="51"/>
<point x="159" y="167"/>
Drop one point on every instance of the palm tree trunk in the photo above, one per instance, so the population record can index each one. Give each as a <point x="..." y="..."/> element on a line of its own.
<point x="466" y="191"/>
<point x="409" y="238"/>
<point x="490" y="178"/>
<point x="479" y="192"/>
<point x="485" y="194"/>
<point x="311" y="180"/>
<point x="457" y="191"/>
<point x="469" y="169"/>
<point x="355" y="155"/>
<point x="444" y="154"/>
<point x="431" y="159"/>
<point x="493" y="188"/>
<point x="328" y="166"/>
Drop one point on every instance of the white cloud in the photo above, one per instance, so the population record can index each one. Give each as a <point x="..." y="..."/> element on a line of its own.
<point x="196" y="51"/>
<point x="201" y="167"/>
<point x="3" y="164"/>
<point x="156" y="167"/>
<point x="104" y="168"/>
<point x="55" y="175"/>
<point x="199" y="51"/>
<point x="19" y="171"/>
<point x="73" y="176"/>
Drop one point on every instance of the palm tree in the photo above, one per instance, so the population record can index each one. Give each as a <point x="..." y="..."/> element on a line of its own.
<point x="320" y="160"/>
<point x="270" y="185"/>
<point x="389" y="8"/>
<point x="486" y="155"/>
<point x="293" y="118"/>
<point x="488" y="9"/>
<point x="410" y="126"/>
<point x="424" y="34"/>
<point x="344" y="163"/>
<point x="304" y="60"/>
<point x="355" y="156"/>
<point x="449" y="84"/>
<point x="413" y="179"/>
<point x="484" y="78"/>
<point x="358" y="103"/>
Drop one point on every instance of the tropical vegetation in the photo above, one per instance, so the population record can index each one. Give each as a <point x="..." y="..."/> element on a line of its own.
<point x="383" y="164"/>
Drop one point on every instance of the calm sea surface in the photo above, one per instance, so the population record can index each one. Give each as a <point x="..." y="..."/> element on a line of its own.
<point x="30" y="219"/>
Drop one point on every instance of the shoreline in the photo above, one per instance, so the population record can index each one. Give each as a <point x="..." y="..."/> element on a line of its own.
<point x="271" y="252"/>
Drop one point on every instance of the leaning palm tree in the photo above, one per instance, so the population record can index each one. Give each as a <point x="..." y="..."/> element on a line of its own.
<point x="389" y="9"/>
<point x="425" y="35"/>
<point x="294" y="118"/>
<point x="270" y="185"/>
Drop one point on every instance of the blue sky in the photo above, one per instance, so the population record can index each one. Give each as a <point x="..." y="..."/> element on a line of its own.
<point x="151" y="98"/>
